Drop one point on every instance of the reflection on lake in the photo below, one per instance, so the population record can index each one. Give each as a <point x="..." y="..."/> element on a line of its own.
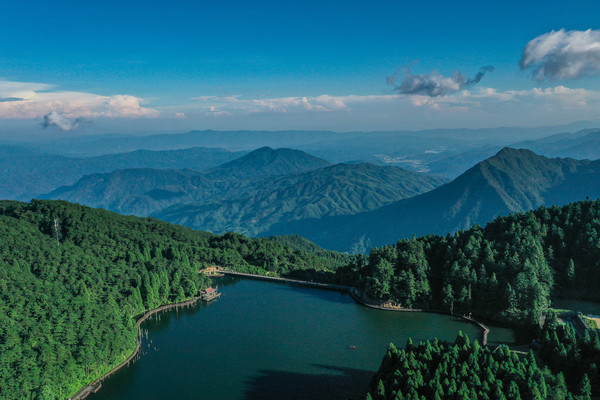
<point x="263" y="340"/>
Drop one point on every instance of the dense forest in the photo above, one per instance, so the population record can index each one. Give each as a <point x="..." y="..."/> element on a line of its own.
<point x="508" y="271"/>
<point x="72" y="279"/>
<point x="466" y="370"/>
<point x="576" y="354"/>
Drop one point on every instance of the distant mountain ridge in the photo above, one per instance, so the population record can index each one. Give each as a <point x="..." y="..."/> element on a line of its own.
<point x="511" y="181"/>
<point x="581" y="145"/>
<point x="27" y="173"/>
<point x="251" y="193"/>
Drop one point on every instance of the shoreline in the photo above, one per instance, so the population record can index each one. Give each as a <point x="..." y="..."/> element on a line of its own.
<point x="94" y="386"/>
<point x="355" y="297"/>
<point x="472" y="320"/>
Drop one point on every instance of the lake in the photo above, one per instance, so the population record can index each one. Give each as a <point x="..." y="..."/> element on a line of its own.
<point x="263" y="340"/>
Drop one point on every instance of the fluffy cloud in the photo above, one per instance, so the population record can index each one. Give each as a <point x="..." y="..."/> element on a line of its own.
<point x="563" y="55"/>
<point x="33" y="100"/>
<point x="434" y="84"/>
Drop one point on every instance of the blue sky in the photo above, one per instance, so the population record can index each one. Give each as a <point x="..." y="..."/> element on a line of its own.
<point x="127" y="65"/>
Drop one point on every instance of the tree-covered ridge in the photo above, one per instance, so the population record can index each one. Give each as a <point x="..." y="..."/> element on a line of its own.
<point x="510" y="270"/>
<point x="68" y="295"/>
<point x="437" y="370"/>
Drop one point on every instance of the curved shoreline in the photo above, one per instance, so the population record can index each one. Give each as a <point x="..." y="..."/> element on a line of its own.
<point x="93" y="387"/>
<point x="96" y="384"/>
<point x="472" y="320"/>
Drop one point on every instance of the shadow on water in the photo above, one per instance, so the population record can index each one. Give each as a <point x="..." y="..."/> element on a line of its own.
<point x="334" y="383"/>
<point x="333" y="296"/>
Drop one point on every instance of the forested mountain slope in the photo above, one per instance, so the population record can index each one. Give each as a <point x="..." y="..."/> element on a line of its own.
<point x="144" y="191"/>
<point x="67" y="305"/>
<point x="511" y="181"/>
<point x="340" y="189"/>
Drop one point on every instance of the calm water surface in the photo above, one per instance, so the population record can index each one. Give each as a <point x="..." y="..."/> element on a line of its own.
<point x="263" y="340"/>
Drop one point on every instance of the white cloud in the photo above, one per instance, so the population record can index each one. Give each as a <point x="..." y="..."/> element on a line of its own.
<point x="39" y="99"/>
<point x="233" y="105"/>
<point x="563" y="54"/>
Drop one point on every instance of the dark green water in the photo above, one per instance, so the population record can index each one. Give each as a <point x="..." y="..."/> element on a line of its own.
<point x="263" y="340"/>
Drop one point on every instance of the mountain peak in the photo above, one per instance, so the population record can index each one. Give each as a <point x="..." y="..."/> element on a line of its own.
<point x="266" y="161"/>
<point x="512" y="152"/>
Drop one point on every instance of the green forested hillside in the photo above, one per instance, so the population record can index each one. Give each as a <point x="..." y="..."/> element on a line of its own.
<point x="466" y="370"/>
<point x="67" y="306"/>
<point x="341" y="189"/>
<point x="510" y="270"/>
<point x="511" y="181"/>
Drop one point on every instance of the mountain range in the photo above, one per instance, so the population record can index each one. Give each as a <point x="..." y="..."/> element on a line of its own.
<point x="26" y="173"/>
<point x="511" y="181"/>
<point x="251" y="193"/>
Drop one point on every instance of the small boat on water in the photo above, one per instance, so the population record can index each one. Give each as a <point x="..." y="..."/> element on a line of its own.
<point x="209" y="294"/>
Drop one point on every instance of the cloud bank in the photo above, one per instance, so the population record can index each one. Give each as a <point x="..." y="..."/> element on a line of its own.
<point x="563" y="55"/>
<point x="435" y="84"/>
<point x="26" y="100"/>
<point x="228" y="105"/>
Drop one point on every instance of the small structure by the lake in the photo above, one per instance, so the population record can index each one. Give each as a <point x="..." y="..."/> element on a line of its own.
<point x="213" y="270"/>
<point x="209" y="294"/>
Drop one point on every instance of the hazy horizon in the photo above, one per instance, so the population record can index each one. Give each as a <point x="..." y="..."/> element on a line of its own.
<point x="272" y="66"/>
